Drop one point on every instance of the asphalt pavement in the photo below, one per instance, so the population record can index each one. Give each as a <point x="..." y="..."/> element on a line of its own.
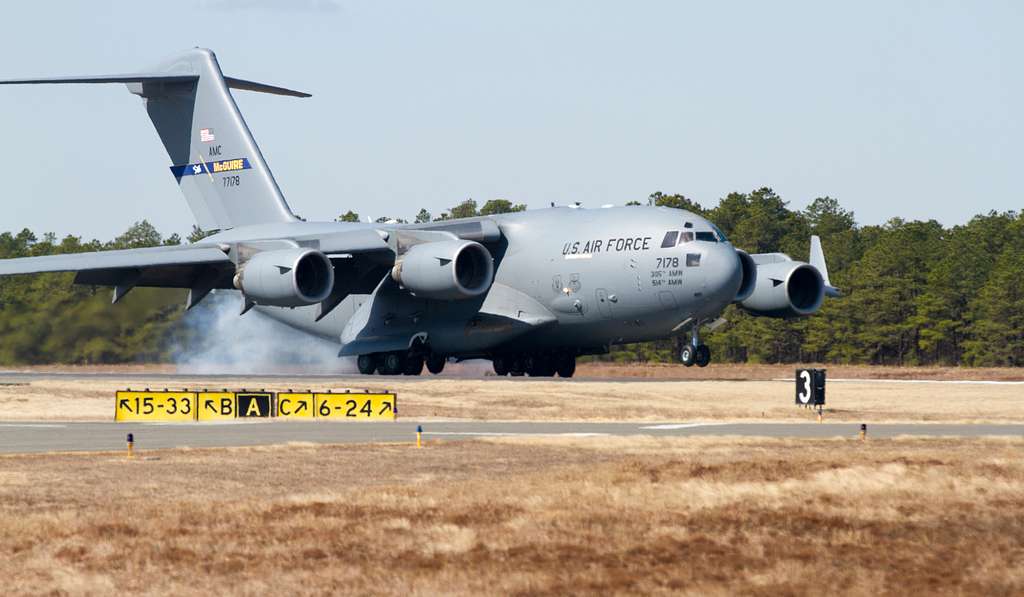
<point x="48" y="436"/>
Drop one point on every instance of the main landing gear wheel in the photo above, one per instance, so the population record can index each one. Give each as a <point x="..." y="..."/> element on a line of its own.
<point x="435" y="363"/>
<point x="517" y="366"/>
<point x="702" y="356"/>
<point x="500" y="366"/>
<point x="367" y="364"/>
<point x="393" y="363"/>
<point x="542" y="366"/>
<point x="566" y="366"/>
<point x="687" y="355"/>
<point x="413" y="364"/>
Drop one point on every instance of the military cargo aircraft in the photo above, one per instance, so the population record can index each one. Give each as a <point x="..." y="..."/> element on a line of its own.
<point x="530" y="291"/>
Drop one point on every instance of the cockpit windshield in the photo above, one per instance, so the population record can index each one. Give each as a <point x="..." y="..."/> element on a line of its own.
<point x="719" y="233"/>
<point x="706" y="236"/>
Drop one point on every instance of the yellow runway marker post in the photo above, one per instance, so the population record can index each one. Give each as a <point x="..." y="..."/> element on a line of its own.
<point x="419" y="436"/>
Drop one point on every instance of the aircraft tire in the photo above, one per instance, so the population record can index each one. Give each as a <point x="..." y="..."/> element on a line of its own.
<point x="393" y="363"/>
<point x="500" y="366"/>
<point x="542" y="365"/>
<point x="517" y="366"/>
<point x="435" y="363"/>
<point x="687" y="355"/>
<point x="702" y="356"/>
<point x="566" y="366"/>
<point x="413" y="364"/>
<point x="366" y="363"/>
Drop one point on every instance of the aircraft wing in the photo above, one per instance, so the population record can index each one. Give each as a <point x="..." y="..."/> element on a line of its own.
<point x="361" y="258"/>
<point x="108" y="263"/>
<point x="197" y="268"/>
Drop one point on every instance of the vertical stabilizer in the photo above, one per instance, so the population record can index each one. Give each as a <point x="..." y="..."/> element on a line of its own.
<point x="214" y="158"/>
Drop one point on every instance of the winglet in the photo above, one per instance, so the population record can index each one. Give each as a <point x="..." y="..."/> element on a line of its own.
<point x="817" y="259"/>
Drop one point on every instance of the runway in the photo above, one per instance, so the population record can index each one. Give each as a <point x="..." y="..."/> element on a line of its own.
<point x="26" y="437"/>
<point x="349" y="379"/>
<point x="355" y="380"/>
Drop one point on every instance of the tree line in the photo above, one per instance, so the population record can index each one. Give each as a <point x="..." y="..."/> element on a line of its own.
<point x="914" y="292"/>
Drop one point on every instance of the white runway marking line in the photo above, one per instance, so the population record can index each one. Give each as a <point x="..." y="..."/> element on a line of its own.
<point x="514" y="433"/>
<point x="33" y="425"/>
<point x="950" y="381"/>
<point x="670" y="426"/>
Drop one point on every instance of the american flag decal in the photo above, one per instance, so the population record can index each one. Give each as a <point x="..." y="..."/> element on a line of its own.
<point x="206" y="135"/>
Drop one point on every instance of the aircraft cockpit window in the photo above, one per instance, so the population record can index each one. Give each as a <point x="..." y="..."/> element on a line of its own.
<point x="707" y="236"/>
<point x="720" y="234"/>
<point x="692" y="259"/>
<point x="670" y="239"/>
<point x="688" y="225"/>
<point x="685" y="237"/>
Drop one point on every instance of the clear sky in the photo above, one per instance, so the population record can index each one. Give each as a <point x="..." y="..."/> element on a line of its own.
<point x="909" y="109"/>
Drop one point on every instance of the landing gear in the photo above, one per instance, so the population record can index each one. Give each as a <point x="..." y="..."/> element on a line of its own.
<point x="693" y="352"/>
<point x="399" y="362"/>
<point x="393" y="363"/>
<point x="367" y="364"/>
<point x="566" y="365"/>
<point x="702" y="356"/>
<point x="435" y="363"/>
<point x="413" y="364"/>
<point x="517" y="368"/>
<point x="542" y="365"/>
<point x="547" y="364"/>
<point x="687" y="355"/>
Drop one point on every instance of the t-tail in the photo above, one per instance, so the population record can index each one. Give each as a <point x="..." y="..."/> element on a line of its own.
<point x="214" y="158"/>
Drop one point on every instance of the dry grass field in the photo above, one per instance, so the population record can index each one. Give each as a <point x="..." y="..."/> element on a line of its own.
<point x="522" y="516"/>
<point x="753" y="397"/>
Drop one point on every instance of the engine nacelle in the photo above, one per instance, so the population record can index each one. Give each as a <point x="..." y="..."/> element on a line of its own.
<point x="786" y="289"/>
<point x="286" y="277"/>
<point x="749" y="279"/>
<point x="445" y="270"/>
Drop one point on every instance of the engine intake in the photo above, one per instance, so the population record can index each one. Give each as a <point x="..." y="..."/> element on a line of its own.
<point x="286" y="278"/>
<point x="749" y="276"/>
<point x="786" y="289"/>
<point x="445" y="270"/>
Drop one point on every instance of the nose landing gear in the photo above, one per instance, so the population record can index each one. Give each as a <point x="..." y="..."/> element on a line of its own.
<point x="693" y="352"/>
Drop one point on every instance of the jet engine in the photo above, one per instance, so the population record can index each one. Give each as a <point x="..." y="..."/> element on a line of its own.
<point x="286" y="277"/>
<point x="786" y="289"/>
<point x="749" y="279"/>
<point x="445" y="270"/>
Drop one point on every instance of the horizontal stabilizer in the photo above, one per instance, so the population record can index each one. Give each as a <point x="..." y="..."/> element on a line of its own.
<point x="244" y="85"/>
<point x="231" y="82"/>
<point x="129" y="78"/>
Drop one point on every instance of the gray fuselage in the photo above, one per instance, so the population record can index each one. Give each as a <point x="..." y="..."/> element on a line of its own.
<point x="602" y="274"/>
